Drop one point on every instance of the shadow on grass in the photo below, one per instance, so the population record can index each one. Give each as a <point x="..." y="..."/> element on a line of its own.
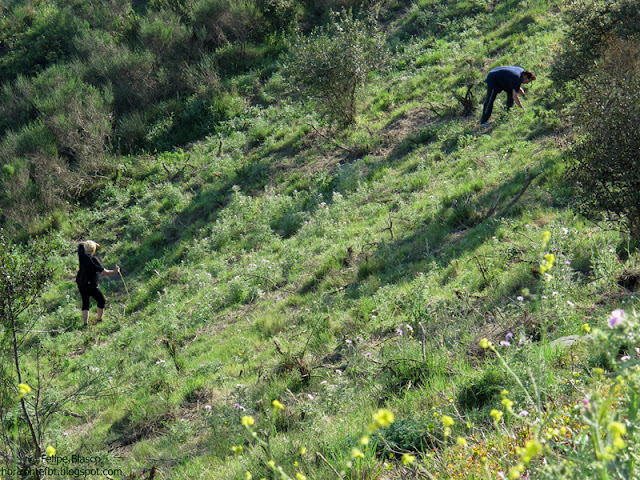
<point x="459" y="228"/>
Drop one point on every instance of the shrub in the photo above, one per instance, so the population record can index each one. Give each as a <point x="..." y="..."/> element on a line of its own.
<point x="219" y="22"/>
<point x="134" y="76"/>
<point x="317" y="10"/>
<point x="166" y="36"/>
<point x="77" y="114"/>
<point x="203" y="78"/>
<point x="605" y="153"/>
<point x="331" y="64"/>
<point x="590" y="23"/>
<point x="38" y="38"/>
<point x="406" y="435"/>
<point x="16" y="107"/>
<point x="279" y="15"/>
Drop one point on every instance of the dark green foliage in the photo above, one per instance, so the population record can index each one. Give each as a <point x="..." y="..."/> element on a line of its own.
<point x="332" y="64"/>
<point x="406" y="435"/>
<point x="319" y="11"/>
<point x="280" y="15"/>
<point x="166" y="36"/>
<point x="219" y="22"/>
<point x="67" y="124"/>
<point x="23" y="274"/>
<point x="482" y="392"/>
<point x="34" y="38"/>
<point x="605" y="153"/>
<point x="16" y="107"/>
<point x="77" y="114"/>
<point x="590" y="24"/>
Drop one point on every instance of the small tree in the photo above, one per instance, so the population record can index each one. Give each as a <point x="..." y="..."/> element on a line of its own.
<point x="606" y="151"/>
<point x="330" y="65"/>
<point x="22" y="277"/>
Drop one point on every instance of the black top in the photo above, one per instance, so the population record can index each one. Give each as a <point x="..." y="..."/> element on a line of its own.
<point x="89" y="269"/>
<point x="505" y="78"/>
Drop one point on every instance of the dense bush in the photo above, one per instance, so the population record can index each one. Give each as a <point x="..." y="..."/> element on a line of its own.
<point x="32" y="39"/>
<point x="280" y="15"/>
<point x="77" y="114"/>
<point x="605" y="154"/>
<point x="59" y="137"/>
<point x="316" y="10"/>
<point x="590" y="23"/>
<point x="332" y="63"/>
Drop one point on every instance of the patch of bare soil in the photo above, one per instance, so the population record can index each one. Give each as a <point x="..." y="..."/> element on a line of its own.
<point x="401" y="127"/>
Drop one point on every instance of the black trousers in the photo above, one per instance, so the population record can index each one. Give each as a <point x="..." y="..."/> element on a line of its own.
<point x="492" y="93"/>
<point x="86" y="292"/>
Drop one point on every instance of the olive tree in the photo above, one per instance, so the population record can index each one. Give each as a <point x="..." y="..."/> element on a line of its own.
<point x="330" y="65"/>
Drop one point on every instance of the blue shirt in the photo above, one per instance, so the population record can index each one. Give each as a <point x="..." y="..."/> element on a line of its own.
<point x="505" y="78"/>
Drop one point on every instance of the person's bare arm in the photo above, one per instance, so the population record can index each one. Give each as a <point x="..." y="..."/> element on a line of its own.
<point x="115" y="271"/>
<point x="516" y="98"/>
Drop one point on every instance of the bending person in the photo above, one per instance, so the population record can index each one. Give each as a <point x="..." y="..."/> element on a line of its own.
<point x="505" y="79"/>
<point x="87" y="278"/>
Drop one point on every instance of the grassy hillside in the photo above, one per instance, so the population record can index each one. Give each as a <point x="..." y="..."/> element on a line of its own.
<point x="341" y="273"/>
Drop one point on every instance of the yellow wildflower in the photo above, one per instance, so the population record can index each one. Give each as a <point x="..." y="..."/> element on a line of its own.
<point x="547" y="262"/>
<point x="586" y="328"/>
<point x="485" y="343"/>
<point x="617" y="428"/>
<point x="356" y="453"/>
<point x="271" y="464"/>
<point x="507" y="403"/>
<point x="237" y="449"/>
<point x="516" y="471"/>
<point x="618" y="442"/>
<point x="23" y="390"/>
<point x="408" y="459"/>
<point x="248" y="476"/>
<point x="383" y="417"/>
<point x="51" y="451"/>
<point x="277" y="405"/>
<point x="461" y="441"/>
<point x="497" y="415"/>
<point x="303" y="450"/>
<point x="364" y="440"/>
<point x="546" y="236"/>
<point x="247" y="421"/>
<point x="300" y="476"/>
<point x="531" y="449"/>
<point x="447" y="421"/>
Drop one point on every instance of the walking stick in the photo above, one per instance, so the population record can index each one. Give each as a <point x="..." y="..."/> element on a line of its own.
<point x="125" y="284"/>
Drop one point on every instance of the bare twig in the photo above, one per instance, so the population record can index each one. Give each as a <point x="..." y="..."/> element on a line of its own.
<point x="390" y="227"/>
<point x="424" y="342"/>
<point x="342" y="147"/>
<point x="327" y="462"/>
<point x="530" y="177"/>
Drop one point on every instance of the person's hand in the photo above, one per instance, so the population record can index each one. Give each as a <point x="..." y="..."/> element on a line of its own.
<point x="117" y="269"/>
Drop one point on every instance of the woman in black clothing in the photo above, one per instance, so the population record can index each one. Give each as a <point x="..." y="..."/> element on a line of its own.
<point x="87" y="278"/>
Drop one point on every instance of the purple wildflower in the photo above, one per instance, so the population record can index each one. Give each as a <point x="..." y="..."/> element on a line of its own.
<point x="617" y="317"/>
